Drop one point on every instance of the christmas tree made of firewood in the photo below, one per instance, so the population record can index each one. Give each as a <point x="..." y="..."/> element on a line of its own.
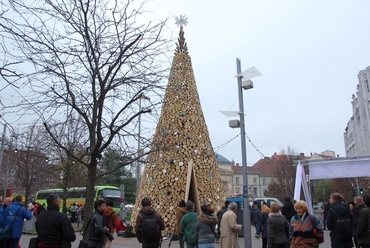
<point x="183" y="164"/>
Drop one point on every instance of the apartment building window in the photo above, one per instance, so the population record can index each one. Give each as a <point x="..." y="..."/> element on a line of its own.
<point x="272" y="180"/>
<point x="254" y="180"/>
<point x="367" y="85"/>
<point x="237" y="180"/>
<point x="237" y="190"/>
<point x="264" y="181"/>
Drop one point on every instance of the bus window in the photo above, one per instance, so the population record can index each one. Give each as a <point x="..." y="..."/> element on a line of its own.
<point x="112" y="195"/>
<point x="108" y="193"/>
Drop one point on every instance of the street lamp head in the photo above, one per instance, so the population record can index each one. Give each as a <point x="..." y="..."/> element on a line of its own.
<point x="247" y="84"/>
<point x="234" y="123"/>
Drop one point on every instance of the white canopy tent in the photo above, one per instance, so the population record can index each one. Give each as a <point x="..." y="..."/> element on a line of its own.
<point x="340" y="168"/>
<point x="327" y="169"/>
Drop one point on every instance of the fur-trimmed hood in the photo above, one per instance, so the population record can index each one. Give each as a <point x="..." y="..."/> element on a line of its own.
<point x="208" y="219"/>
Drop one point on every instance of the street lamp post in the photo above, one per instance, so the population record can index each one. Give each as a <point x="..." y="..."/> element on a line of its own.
<point x="246" y="85"/>
<point x="246" y="210"/>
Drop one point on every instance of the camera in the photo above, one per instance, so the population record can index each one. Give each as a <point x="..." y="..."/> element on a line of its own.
<point x="109" y="236"/>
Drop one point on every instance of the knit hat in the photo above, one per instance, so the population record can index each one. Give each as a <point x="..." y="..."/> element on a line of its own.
<point x="287" y="199"/>
<point x="190" y="205"/>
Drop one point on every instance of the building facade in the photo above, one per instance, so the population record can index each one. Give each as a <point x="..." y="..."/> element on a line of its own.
<point x="259" y="177"/>
<point x="357" y="132"/>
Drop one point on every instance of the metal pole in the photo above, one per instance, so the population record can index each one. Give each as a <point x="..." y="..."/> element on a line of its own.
<point x="358" y="188"/>
<point x="6" y="176"/>
<point x="323" y="191"/>
<point x="246" y="210"/>
<point x="122" y="213"/>
<point x="138" y="152"/>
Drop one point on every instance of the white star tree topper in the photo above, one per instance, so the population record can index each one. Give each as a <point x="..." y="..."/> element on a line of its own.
<point x="181" y="21"/>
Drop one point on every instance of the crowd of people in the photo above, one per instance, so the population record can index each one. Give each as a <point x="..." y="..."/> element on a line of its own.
<point x="278" y="227"/>
<point x="290" y="225"/>
<point x="76" y="211"/>
<point x="54" y="229"/>
<point x="293" y="226"/>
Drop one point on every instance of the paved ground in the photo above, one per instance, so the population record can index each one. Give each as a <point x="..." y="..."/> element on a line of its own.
<point x="120" y="242"/>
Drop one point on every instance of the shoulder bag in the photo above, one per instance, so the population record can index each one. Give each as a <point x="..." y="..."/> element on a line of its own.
<point x="319" y="238"/>
<point x="33" y="242"/>
<point x="6" y="231"/>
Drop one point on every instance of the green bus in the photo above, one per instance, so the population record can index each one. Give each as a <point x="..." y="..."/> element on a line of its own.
<point x="78" y="195"/>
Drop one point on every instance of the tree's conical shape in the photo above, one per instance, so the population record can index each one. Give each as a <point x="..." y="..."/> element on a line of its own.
<point x="183" y="164"/>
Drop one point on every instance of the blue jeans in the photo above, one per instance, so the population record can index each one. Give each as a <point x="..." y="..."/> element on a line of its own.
<point x="256" y="225"/>
<point x="12" y="243"/>
<point x="208" y="245"/>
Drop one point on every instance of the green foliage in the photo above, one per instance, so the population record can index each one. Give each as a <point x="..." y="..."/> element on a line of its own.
<point x="111" y="175"/>
<point x="323" y="189"/>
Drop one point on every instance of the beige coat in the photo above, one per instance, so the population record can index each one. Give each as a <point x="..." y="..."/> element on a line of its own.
<point x="179" y="214"/>
<point x="229" y="230"/>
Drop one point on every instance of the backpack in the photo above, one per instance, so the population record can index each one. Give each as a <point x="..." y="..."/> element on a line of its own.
<point x="150" y="231"/>
<point x="343" y="226"/>
<point x="106" y="219"/>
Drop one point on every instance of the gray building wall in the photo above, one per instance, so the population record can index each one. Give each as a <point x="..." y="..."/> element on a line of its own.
<point x="357" y="133"/>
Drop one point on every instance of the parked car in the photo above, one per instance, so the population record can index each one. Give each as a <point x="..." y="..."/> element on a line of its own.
<point x="259" y="200"/>
<point x="268" y="200"/>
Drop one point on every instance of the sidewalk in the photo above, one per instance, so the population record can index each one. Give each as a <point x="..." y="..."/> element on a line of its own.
<point x="120" y="242"/>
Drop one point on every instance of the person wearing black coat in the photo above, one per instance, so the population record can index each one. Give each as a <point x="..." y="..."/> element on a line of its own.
<point x="53" y="226"/>
<point x="363" y="224"/>
<point x="338" y="208"/>
<point x="255" y="218"/>
<point x="359" y="205"/>
<point x="327" y="206"/>
<point x="288" y="209"/>
<point x="219" y="216"/>
<point x="96" y="225"/>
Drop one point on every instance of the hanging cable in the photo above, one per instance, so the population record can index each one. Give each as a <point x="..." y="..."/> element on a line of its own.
<point x="227" y="142"/>
<point x="254" y="146"/>
<point x="217" y="148"/>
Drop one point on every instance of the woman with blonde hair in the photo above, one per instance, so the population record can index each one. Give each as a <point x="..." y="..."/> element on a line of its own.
<point x="264" y="215"/>
<point x="302" y="227"/>
<point x="277" y="225"/>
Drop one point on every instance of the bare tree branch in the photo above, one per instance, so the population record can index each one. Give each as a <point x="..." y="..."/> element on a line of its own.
<point x="94" y="59"/>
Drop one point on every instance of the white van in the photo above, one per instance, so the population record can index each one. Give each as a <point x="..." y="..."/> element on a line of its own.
<point x="268" y="201"/>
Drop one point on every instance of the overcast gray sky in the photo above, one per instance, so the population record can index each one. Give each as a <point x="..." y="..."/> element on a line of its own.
<point x="309" y="54"/>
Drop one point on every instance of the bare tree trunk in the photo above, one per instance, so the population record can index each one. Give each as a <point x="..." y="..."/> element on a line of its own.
<point x="90" y="193"/>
